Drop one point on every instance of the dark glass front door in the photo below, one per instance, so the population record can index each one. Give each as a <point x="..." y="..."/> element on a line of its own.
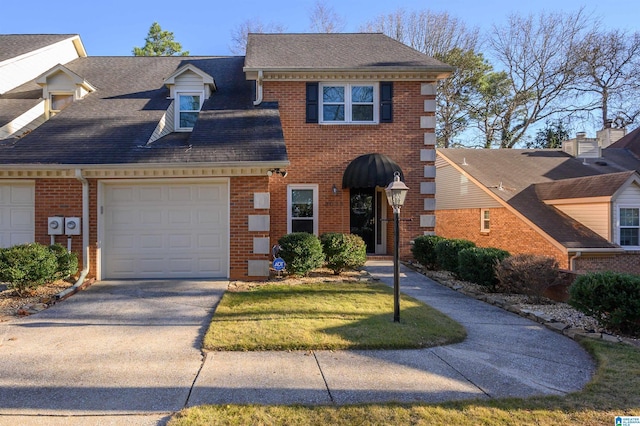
<point x="362" y="216"/>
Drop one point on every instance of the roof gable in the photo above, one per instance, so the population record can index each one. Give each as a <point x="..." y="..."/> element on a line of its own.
<point x="42" y="79"/>
<point x="206" y="78"/>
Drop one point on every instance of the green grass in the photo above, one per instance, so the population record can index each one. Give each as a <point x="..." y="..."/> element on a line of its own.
<point x="614" y="391"/>
<point x="325" y="316"/>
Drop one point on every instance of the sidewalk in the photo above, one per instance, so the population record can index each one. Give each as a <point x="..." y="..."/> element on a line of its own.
<point x="504" y="355"/>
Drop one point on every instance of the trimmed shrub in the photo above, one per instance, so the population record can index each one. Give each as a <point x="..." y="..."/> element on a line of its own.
<point x="343" y="251"/>
<point x="612" y="298"/>
<point x="447" y="253"/>
<point x="528" y="274"/>
<point x="302" y="252"/>
<point x="424" y="250"/>
<point x="477" y="264"/>
<point x="67" y="262"/>
<point x="27" y="266"/>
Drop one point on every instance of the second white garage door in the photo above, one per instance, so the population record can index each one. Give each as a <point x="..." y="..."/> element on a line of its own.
<point x="16" y="213"/>
<point x="165" y="230"/>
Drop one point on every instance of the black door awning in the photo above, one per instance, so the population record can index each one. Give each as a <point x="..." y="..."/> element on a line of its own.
<point x="369" y="171"/>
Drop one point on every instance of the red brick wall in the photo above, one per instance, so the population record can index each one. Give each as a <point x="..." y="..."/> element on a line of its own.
<point x="628" y="262"/>
<point x="319" y="154"/>
<point x="241" y="240"/>
<point x="507" y="232"/>
<point x="57" y="197"/>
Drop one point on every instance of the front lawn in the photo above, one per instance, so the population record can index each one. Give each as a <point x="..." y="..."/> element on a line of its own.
<point x="614" y="391"/>
<point x="336" y="315"/>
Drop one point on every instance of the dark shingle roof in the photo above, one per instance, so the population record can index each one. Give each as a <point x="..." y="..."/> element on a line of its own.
<point x="591" y="186"/>
<point x="334" y="51"/>
<point x="114" y="124"/>
<point x="630" y="142"/>
<point x="519" y="177"/>
<point x="12" y="45"/>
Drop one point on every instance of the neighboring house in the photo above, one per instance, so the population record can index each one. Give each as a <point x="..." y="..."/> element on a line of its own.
<point x="194" y="167"/>
<point x="582" y="210"/>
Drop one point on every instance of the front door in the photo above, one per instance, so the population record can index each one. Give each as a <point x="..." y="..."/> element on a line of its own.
<point x="367" y="214"/>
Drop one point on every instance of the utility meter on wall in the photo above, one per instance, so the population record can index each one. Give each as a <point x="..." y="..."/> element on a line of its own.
<point x="72" y="225"/>
<point x="55" y="225"/>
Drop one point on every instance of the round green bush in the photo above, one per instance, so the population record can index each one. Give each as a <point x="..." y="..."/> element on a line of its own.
<point x="447" y="253"/>
<point x="27" y="266"/>
<point x="424" y="250"/>
<point x="612" y="298"/>
<point x="302" y="252"/>
<point x="343" y="251"/>
<point x="477" y="264"/>
<point x="67" y="261"/>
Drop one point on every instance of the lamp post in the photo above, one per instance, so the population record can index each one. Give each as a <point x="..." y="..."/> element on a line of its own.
<point x="396" y="194"/>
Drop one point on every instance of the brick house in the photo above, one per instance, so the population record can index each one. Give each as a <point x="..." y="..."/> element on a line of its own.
<point x="581" y="210"/>
<point x="193" y="167"/>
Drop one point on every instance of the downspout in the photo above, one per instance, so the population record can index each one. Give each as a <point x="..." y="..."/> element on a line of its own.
<point x="85" y="238"/>
<point x="259" y="95"/>
<point x="572" y="260"/>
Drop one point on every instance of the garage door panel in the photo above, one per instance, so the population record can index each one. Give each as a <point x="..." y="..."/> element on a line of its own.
<point x="151" y="241"/>
<point x="166" y="230"/>
<point x="21" y="218"/>
<point x="180" y="241"/>
<point x="180" y="217"/>
<point x="212" y="241"/>
<point x="152" y="194"/>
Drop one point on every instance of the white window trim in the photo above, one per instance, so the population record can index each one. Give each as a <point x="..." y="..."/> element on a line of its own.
<point x="619" y="227"/>
<point x="291" y="188"/>
<point x="59" y="93"/>
<point x="177" y="108"/>
<point x="483" y="229"/>
<point x="348" y="103"/>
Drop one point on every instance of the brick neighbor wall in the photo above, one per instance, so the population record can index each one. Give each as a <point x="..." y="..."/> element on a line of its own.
<point x="57" y="197"/>
<point x="628" y="262"/>
<point x="319" y="154"/>
<point x="507" y="232"/>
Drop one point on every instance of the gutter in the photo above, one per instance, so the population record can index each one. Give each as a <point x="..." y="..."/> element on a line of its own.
<point x="259" y="93"/>
<point x="85" y="239"/>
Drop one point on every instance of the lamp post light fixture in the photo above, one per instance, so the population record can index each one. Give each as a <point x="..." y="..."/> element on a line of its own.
<point x="396" y="194"/>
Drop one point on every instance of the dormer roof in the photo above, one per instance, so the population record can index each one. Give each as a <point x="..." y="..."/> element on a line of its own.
<point x="75" y="78"/>
<point x="206" y="78"/>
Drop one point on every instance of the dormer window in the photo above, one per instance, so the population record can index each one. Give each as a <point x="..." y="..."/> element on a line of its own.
<point x="189" y="105"/>
<point x="60" y="101"/>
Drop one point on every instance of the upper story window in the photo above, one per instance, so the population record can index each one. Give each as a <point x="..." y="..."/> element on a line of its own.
<point x="59" y="101"/>
<point x="629" y="226"/>
<point x="189" y="105"/>
<point x="485" y="220"/>
<point x="348" y="103"/>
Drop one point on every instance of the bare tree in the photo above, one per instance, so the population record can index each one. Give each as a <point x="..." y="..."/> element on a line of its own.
<point x="609" y="74"/>
<point x="540" y="55"/>
<point x="324" y="19"/>
<point x="431" y="33"/>
<point x="239" y="34"/>
<point x="447" y="39"/>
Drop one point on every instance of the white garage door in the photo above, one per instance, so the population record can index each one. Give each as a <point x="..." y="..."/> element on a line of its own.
<point x="165" y="230"/>
<point x="16" y="213"/>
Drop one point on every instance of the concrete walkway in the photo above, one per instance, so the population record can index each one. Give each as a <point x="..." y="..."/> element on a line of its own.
<point x="124" y="353"/>
<point x="504" y="355"/>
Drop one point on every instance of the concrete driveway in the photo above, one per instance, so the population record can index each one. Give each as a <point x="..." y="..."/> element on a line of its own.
<point x="126" y="347"/>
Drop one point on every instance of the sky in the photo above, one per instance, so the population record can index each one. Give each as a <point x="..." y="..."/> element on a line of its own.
<point x="114" y="27"/>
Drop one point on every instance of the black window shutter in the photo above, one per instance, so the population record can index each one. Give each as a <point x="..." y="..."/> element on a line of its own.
<point x="312" y="102"/>
<point x="386" y="102"/>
